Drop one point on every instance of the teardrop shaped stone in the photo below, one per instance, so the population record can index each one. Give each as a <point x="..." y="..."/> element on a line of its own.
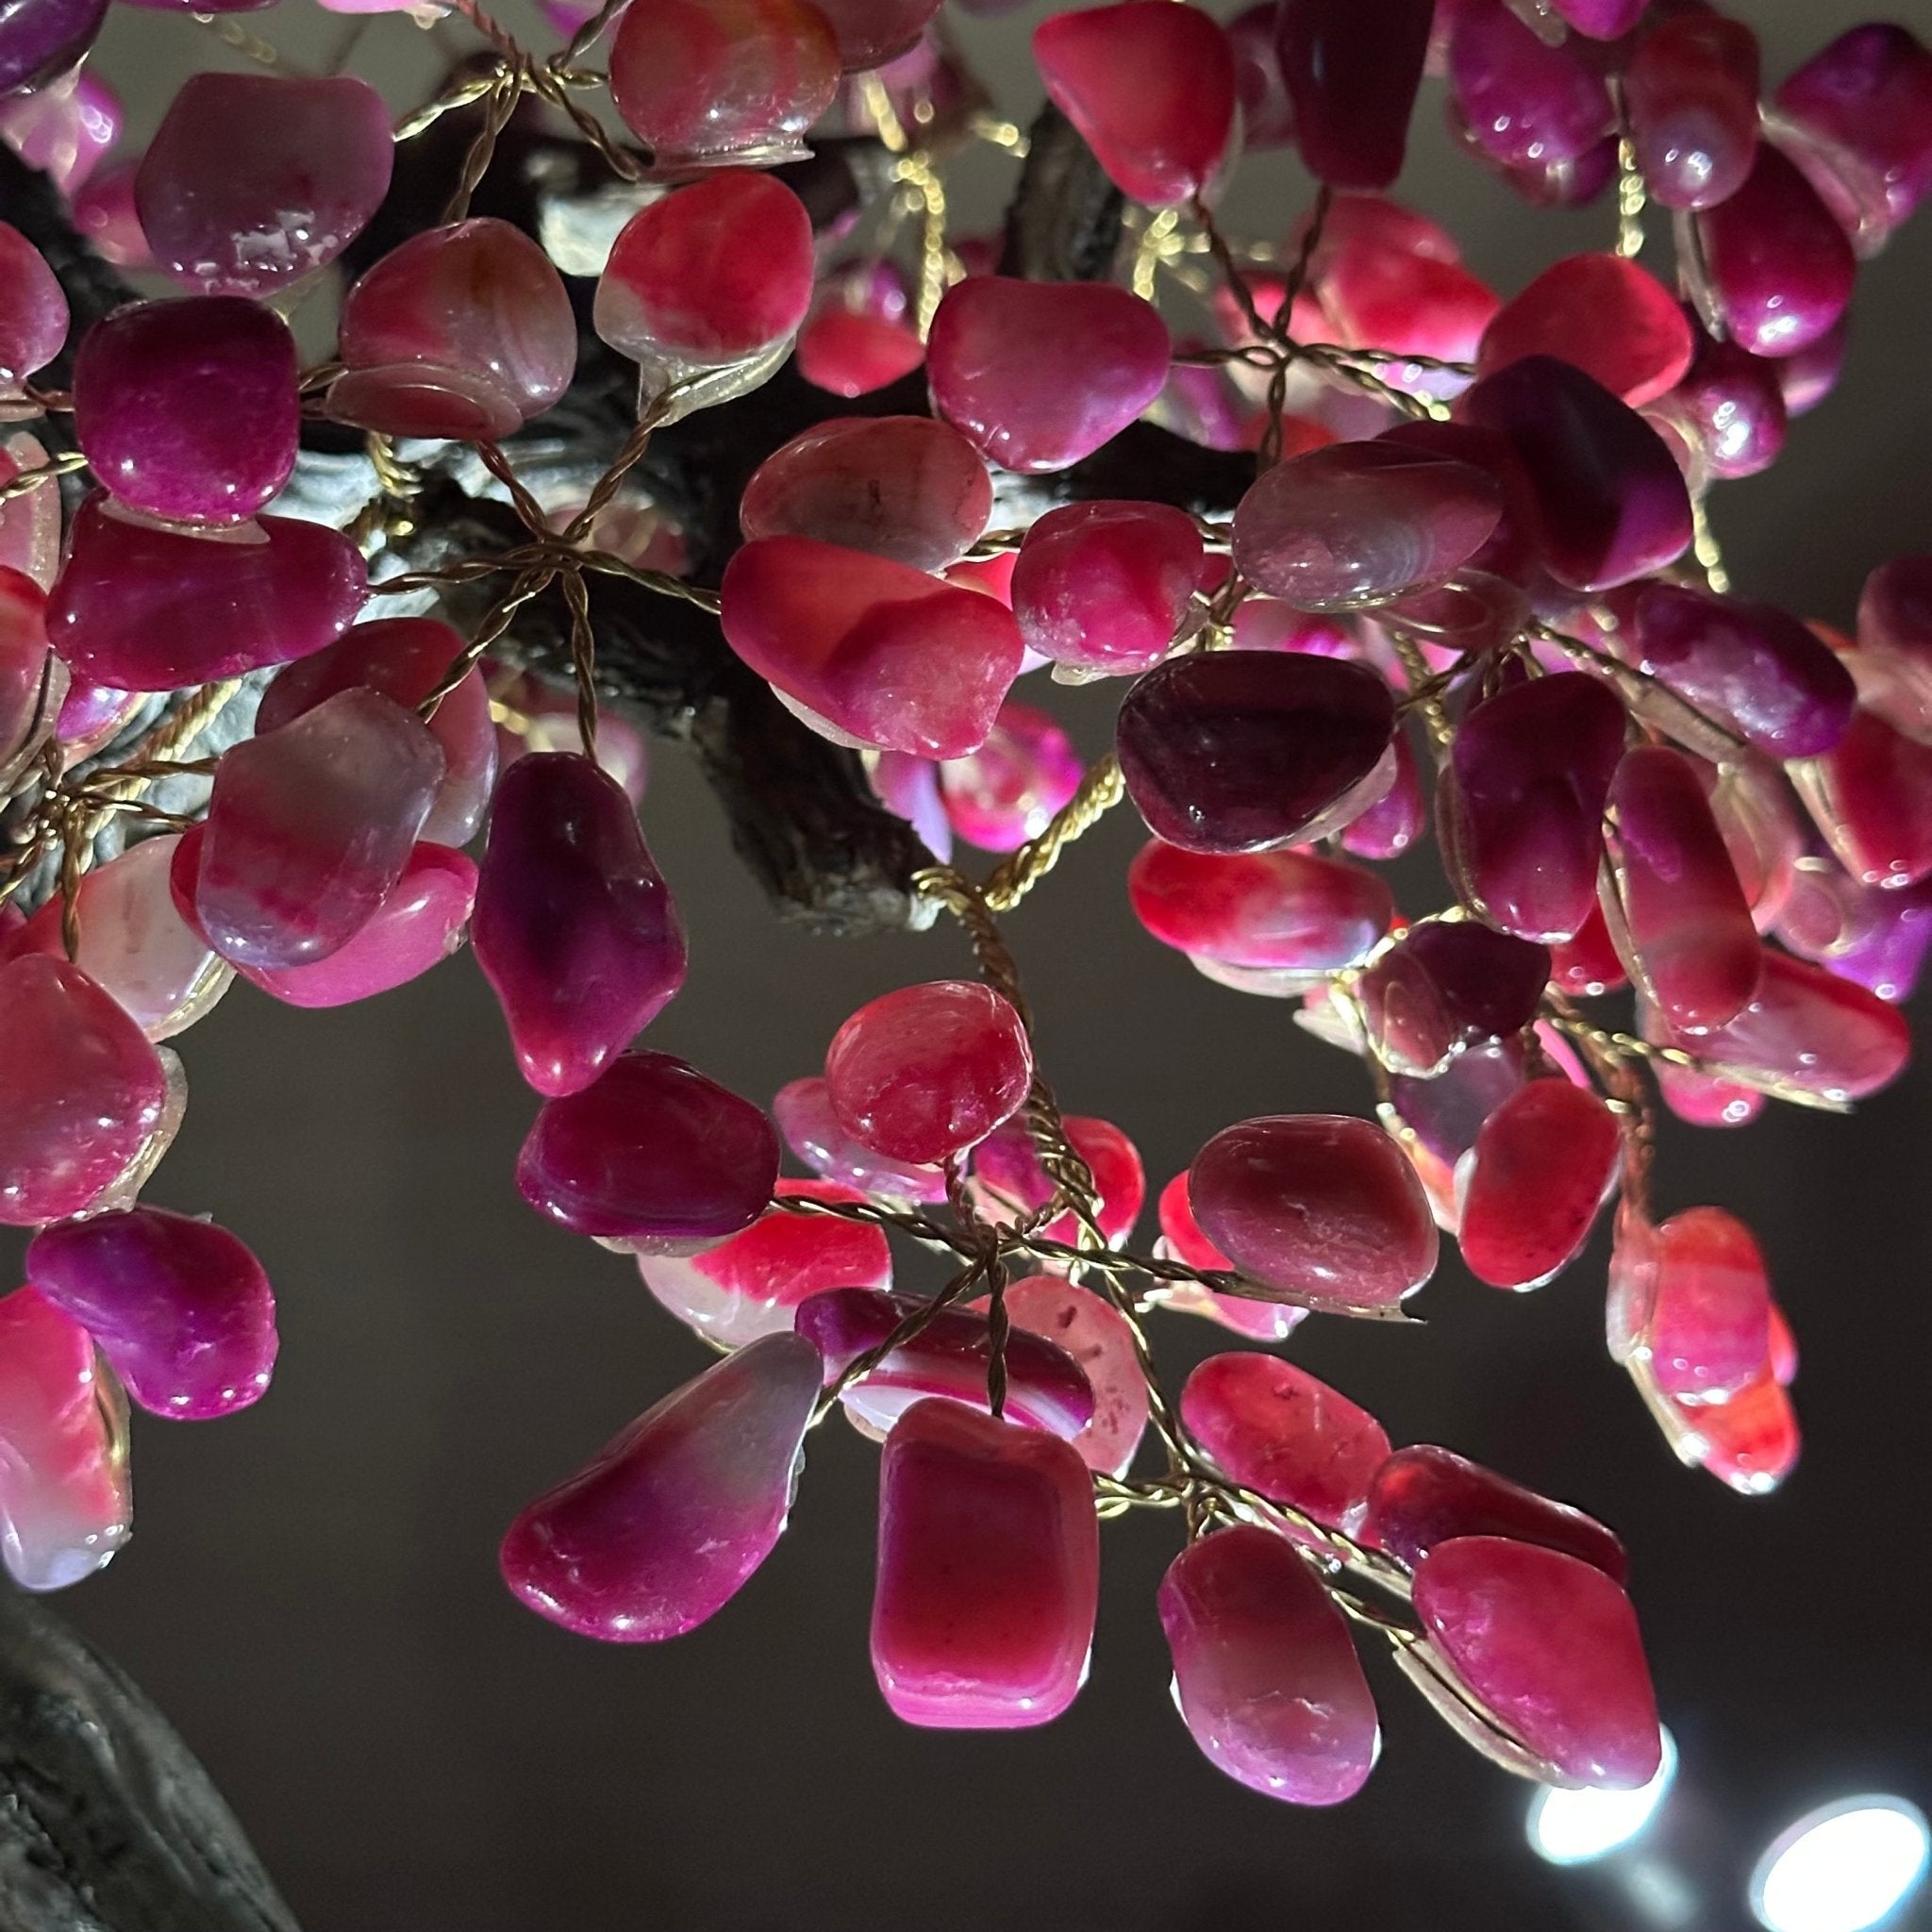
<point x="1352" y="79"/>
<point x="1613" y="320"/>
<point x="33" y="308"/>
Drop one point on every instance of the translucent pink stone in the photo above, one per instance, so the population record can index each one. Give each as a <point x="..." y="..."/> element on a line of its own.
<point x="64" y="1501"/>
<point x="804" y="1113"/>
<point x="81" y="1090"/>
<point x="1425" y="1496"/>
<point x="1352" y="78"/>
<point x="462" y="330"/>
<point x="31" y="686"/>
<point x="1315" y="1207"/>
<point x="1105" y="587"/>
<point x="1540" y="1171"/>
<point x="666" y="1526"/>
<point x="64" y="129"/>
<point x="1812" y="375"/>
<point x="143" y="608"/>
<point x="1691" y="92"/>
<point x="1527" y="102"/>
<point x="404" y="658"/>
<point x="1235" y="751"/>
<point x="1776" y="267"/>
<point x="873" y="32"/>
<point x="1895" y="607"/>
<point x="42" y="38"/>
<point x="926" y="1072"/>
<point x="1602" y="20"/>
<point x="988" y="1572"/>
<point x="1393" y="281"/>
<point x="1151" y="89"/>
<point x="1182" y="1241"/>
<point x="751" y="1283"/>
<point x="1520" y="805"/>
<point x="1706" y="1330"/>
<point x="92" y="715"/>
<point x="1095" y="1334"/>
<point x="1549" y="1645"/>
<point x="1733" y="408"/>
<point x="879" y="653"/>
<point x="719" y="83"/>
<point x="104" y="213"/>
<point x="574" y="930"/>
<point x="310" y="827"/>
<point x="33" y="310"/>
<point x="1869" y="795"/>
<point x="1008" y="1176"/>
<point x="1008" y="790"/>
<point x="254" y="180"/>
<point x="1274" y="1429"/>
<point x="29" y="523"/>
<point x="1750" y="1443"/>
<point x="1612" y="319"/>
<point x="1037" y="375"/>
<point x="850" y="353"/>
<point x="903" y="487"/>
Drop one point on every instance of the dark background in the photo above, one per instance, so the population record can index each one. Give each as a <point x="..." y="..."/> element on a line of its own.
<point x="312" y="1594"/>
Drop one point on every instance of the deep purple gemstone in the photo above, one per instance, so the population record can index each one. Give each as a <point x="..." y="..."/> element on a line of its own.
<point x="1527" y="102"/>
<point x="1351" y="72"/>
<point x="40" y="38"/>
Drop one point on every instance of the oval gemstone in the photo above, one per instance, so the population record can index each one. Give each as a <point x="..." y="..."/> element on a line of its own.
<point x="803" y="1110"/>
<point x="1691" y="92"/>
<point x="33" y="310"/>
<point x="1527" y="103"/>
<point x="1352" y="79"/>
<point x="1612" y="319"/>
<point x="1105" y="585"/>
<point x="1009" y="791"/>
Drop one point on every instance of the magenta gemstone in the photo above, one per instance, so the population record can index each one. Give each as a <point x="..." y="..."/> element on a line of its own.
<point x="104" y="212"/>
<point x="804" y="1113"/>
<point x="1264" y="1670"/>
<point x="1871" y="795"/>
<point x="1037" y="375"/>
<point x="1009" y="791"/>
<point x="254" y="180"/>
<point x="575" y="929"/>
<point x="1315" y="1207"/>
<point x="1392" y="279"/>
<point x="871" y="32"/>
<point x="1527" y="102"/>
<point x="1105" y="585"/>
<point x="141" y="607"/>
<point x="42" y="38"/>
<point x="1602" y="20"/>
<point x="30" y="523"/>
<point x="1691" y="92"/>
<point x="1235" y="751"/>
<point x="65" y="130"/>
<point x="1732" y="405"/>
<point x="1009" y="1179"/>
<point x="1541" y="1169"/>
<point x="1549" y="1645"/>
<point x="1706" y="1333"/>
<point x="666" y="1526"/>
<point x="188" y="409"/>
<point x="988" y="1572"/>
<point x="1616" y="322"/>
<point x="1182" y="1241"/>
<point x="33" y="310"/>
<point x="1352" y="78"/>
<point x="1266" y="114"/>
<point x="1750" y="1443"/>
<point x="851" y="352"/>
<point x="1089" y="1328"/>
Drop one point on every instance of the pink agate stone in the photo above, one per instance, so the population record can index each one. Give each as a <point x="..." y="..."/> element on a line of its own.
<point x="952" y="1355"/>
<point x="310" y="827"/>
<point x="1352" y="79"/>
<point x="877" y="651"/>
<point x="64" y="1501"/>
<point x="1750" y="1443"/>
<point x="461" y="331"/>
<point x="921" y="1073"/>
<point x="1089" y="1328"/>
<point x="1613" y="320"/>
<point x="29" y="523"/>
<point x="1705" y="1317"/>
<point x="752" y="1283"/>
<point x="1321" y="1207"/>
<point x="851" y="352"/>
<point x="1870" y="796"/>
<point x="138" y="607"/>
<point x="804" y="1113"/>
<point x="1691" y="92"/>
<point x="713" y="275"/>
<point x="1264" y="1670"/>
<point x="31" y="688"/>
<point x="254" y="180"/>
<point x="180" y="1308"/>
<point x="1037" y="375"/>
<point x="404" y="658"/>
<point x="1527" y="103"/>
<point x="33" y="310"/>
<point x="1393" y="281"/>
<point x="1010" y="1181"/>
<point x="651" y="1154"/>
<point x="903" y="487"/>
<point x="1274" y="1429"/>
<point x="908" y="787"/>
<point x="575" y="929"/>
<point x="1425" y="1496"/>
<point x="1182" y="1241"/>
<point x="1009" y="791"/>
<point x="1549" y="1646"/>
<point x="1105" y="587"/>
<point x="1151" y="89"/>
<point x="667" y="1524"/>
<point x="988" y="1572"/>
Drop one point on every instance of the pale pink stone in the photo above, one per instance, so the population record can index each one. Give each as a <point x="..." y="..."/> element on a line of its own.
<point x="33" y="310"/>
<point x="1090" y="1329"/>
<point x="29" y="523"/>
<point x="803" y="1110"/>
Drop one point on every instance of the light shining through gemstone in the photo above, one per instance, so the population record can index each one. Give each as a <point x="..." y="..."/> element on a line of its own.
<point x="1578" y="1827"/>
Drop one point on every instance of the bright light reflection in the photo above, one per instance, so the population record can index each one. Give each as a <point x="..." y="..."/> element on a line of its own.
<point x="1842" y="1868"/>
<point x="1574" y="1828"/>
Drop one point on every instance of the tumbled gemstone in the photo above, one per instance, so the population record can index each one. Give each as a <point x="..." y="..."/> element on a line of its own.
<point x="1488" y="983"/>
<point x="1265" y="1672"/>
<point x="40" y="39"/>
<point x="404" y="658"/>
<point x="1613" y="320"/>
<point x="1588" y="964"/>
<point x="1037" y="375"/>
<point x="1776" y="267"/>
<point x="180" y="1308"/>
<point x="804" y="1113"/>
<point x="33" y="309"/>
<point x="879" y="653"/>
<point x="81" y="1090"/>
<point x="64" y="129"/>
<point x="477" y="301"/>
<point x="1871" y="795"/>
<point x="1520" y="806"/>
<point x="1266" y="114"/>
<point x="310" y="827"/>
<point x="988" y="1572"/>
<point x="1151" y="89"/>
<point x="1750" y="1443"/>
<point x="1688" y="930"/>
<point x="575" y="929"/>
<point x="1707" y="1334"/>
<point x="1235" y="751"/>
<point x="1548" y="1644"/>
<point x="1541" y="1169"/>
<point x="1733" y="408"/>
<point x="1182" y="1241"/>
<point x="1691" y="92"/>
<point x="254" y="180"/>
<point x="141" y="607"/>
<point x="91" y="715"/>
<point x="717" y="83"/>
<point x="752" y="1283"/>
<point x="1895" y="607"/>
<point x="1105" y="587"/>
<point x="1392" y="280"/>
<point x="1009" y="1180"/>
<point x="1812" y="375"/>
<point x="924" y="1073"/>
<point x="1274" y="1429"/>
<point x="1425" y="1496"/>
<point x="908" y="787"/>
<point x="650" y="1153"/>
<point x="851" y="352"/>
<point x="30" y="523"/>
<point x="871" y="32"/>
<point x="1611" y="501"/>
<point x="64" y="1501"/>
<point x="1526" y="101"/>
<point x="1315" y="1207"/>
<point x="1096" y="1334"/>
<point x="1008" y="790"/>
<point x="1352" y="78"/>
<point x="666" y="1526"/>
